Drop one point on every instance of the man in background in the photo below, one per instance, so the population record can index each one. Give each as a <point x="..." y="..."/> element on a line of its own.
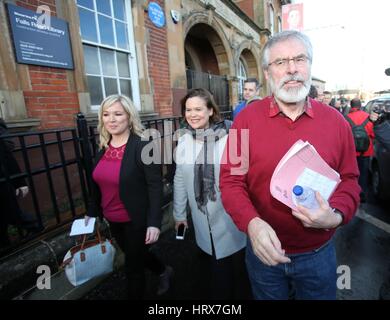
<point x="327" y="97"/>
<point x="251" y="93"/>
<point x="358" y="117"/>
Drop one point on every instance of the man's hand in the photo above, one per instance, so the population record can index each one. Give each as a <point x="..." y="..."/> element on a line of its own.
<point x="374" y="116"/>
<point x="152" y="234"/>
<point x="321" y="218"/>
<point x="22" y="191"/>
<point x="265" y="243"/>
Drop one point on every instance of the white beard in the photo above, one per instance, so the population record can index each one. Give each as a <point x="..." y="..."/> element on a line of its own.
<point x="291" y="95"/>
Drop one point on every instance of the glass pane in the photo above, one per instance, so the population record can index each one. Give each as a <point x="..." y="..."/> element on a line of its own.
<point x="106" y="31"/>
<point x="111" y="86"/>
<point x="126" y="88"/>
<point x="91" y="60"/>
<point x="119" y="9"/>
<point x="95" y="90"/>
<point x="108" y="62"/>
<point x="86" y="3"/>
<point x="121" y="35"/>
<point x="103" y="6"/>
<point x="123" y="64"/>
<point x="88" y="25"/>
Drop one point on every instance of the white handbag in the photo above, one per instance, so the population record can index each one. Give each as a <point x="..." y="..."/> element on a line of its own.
<point x="88" y="260"/>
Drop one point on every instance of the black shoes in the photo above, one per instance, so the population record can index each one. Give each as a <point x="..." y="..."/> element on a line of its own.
<point x="165" y="280"/>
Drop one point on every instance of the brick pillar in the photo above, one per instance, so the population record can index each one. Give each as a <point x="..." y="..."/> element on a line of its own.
<point x="157" y="51"/>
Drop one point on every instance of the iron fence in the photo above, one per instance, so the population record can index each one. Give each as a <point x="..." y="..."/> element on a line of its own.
<point x="57" y="167"/>
<point x="217" y="85"/>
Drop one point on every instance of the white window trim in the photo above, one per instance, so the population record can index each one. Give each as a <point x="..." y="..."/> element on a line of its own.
<point x="241" y="77"/>
<point x="132" y="57"/>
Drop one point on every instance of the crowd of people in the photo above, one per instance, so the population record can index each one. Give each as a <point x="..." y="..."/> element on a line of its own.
<point x="256" y="246"/>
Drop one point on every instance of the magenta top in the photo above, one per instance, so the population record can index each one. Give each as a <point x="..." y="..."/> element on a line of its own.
<point x="106" y="175"/>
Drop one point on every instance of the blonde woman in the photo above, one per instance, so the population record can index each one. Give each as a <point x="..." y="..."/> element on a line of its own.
<point x="128" y="193"/>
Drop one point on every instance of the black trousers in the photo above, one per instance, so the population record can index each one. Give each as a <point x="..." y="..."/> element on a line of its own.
<point x="229" y="277"/>
<point x="363" y="163"/>
<point x="137" y="257"/>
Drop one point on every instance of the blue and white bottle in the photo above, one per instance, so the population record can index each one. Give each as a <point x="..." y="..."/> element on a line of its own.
<point x="306" y="197"/>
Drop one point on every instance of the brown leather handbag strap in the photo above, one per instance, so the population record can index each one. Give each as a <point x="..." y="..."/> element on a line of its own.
<point x="85" y="244"/>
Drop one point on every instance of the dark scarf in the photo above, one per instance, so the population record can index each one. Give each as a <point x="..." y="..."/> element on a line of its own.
<point x="204" y="180"/>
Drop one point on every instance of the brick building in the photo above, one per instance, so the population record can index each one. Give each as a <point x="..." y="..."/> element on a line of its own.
<point x="117" y="48"/>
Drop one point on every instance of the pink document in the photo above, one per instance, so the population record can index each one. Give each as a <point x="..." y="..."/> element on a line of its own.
<point x="304" y="166"/>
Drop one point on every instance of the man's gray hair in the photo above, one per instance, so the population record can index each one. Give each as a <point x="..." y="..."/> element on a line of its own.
<point x="283" y="36"/>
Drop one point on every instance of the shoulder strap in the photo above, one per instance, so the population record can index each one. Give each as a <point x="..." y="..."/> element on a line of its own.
<point x="350" y="121"/>
<point x="365" y="122"/>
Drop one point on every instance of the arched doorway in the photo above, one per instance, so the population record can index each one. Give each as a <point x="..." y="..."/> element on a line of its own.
<point x="247" y="67"/>
<point x="207" y="63"/>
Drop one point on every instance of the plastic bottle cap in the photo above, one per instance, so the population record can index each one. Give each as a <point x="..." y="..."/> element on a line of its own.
<point x="297" y="190"/>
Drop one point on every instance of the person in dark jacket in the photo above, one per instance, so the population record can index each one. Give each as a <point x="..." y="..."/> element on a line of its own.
<point x="358" y="117"/>
<point x="10" y="189"/>
<point x="128" y="192"/>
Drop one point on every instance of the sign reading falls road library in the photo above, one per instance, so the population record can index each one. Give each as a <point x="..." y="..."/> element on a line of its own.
<point x="40" y="44"/>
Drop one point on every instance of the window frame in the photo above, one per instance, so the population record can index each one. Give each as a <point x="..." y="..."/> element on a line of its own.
<point x="241" y="76"/>
<point x="131" y="52"/>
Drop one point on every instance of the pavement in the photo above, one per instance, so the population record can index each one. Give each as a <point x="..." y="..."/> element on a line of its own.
<point x="187" y="260"/>
<point x="361" y="247"/>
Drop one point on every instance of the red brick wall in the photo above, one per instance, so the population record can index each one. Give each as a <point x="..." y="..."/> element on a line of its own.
<point x="50" y="98"/>
<point x="158" y="63"/>
<point x="247" y="7"/>
<point x="33" y="4"/>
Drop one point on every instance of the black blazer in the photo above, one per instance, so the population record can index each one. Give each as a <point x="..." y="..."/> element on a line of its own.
<point x="140" y="187"/>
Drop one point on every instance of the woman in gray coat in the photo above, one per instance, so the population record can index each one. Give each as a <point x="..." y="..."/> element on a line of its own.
<point x="198" y="156"/>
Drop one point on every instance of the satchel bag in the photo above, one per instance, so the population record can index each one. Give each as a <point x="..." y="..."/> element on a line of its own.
<point x="88" y="260"/>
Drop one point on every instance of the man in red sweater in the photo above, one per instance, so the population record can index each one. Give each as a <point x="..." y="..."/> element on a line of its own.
<point x="358" y="116"/>
<point x="288" y="247"/>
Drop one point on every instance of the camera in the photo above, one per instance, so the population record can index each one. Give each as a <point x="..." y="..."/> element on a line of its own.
<point x="383" y="112"/>
<point x="180" y="232"/>
<point x="379" y="110"/>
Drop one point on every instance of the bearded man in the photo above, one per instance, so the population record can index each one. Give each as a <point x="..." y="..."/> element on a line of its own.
<point x="288" y="249"/>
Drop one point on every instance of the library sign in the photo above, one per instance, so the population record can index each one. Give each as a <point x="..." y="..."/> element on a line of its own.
<point x="37" y="43"/>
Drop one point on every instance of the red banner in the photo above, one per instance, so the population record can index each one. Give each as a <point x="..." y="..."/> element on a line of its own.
<point x="292" y="17"/>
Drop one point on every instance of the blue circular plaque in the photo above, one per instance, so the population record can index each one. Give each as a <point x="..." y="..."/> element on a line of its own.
<point x="156" y="14"/>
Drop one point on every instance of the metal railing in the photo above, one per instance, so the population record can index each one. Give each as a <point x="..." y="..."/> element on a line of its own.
<point x="57" y="167"/>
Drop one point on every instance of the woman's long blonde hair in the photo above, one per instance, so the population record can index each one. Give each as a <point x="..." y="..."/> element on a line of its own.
<point x="135" y="124"/>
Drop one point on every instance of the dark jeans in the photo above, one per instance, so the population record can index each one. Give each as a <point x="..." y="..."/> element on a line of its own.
<point x="312" y="275"/>
<point x="137" y="257"/>
<point x="363" y="163"/>
<point x="228" y="277"/>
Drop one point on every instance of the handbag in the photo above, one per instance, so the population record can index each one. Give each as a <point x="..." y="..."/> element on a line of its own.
<point x="89" y="260"/>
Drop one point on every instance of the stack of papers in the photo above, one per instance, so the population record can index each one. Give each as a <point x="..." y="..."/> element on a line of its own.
<point x="302" y="165"/>
<point x="79" y="227"/>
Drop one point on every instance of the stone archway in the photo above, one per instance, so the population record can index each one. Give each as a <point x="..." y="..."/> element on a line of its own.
<point x="251" y="56"/>
<point x="201" y="25"/>
<point x="208" y="58"/>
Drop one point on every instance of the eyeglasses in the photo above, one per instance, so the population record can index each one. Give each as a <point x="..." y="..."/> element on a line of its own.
<point x="299" y="61"/>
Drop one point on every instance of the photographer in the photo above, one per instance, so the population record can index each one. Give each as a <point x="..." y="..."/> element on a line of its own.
<point x="380" y="115"/>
